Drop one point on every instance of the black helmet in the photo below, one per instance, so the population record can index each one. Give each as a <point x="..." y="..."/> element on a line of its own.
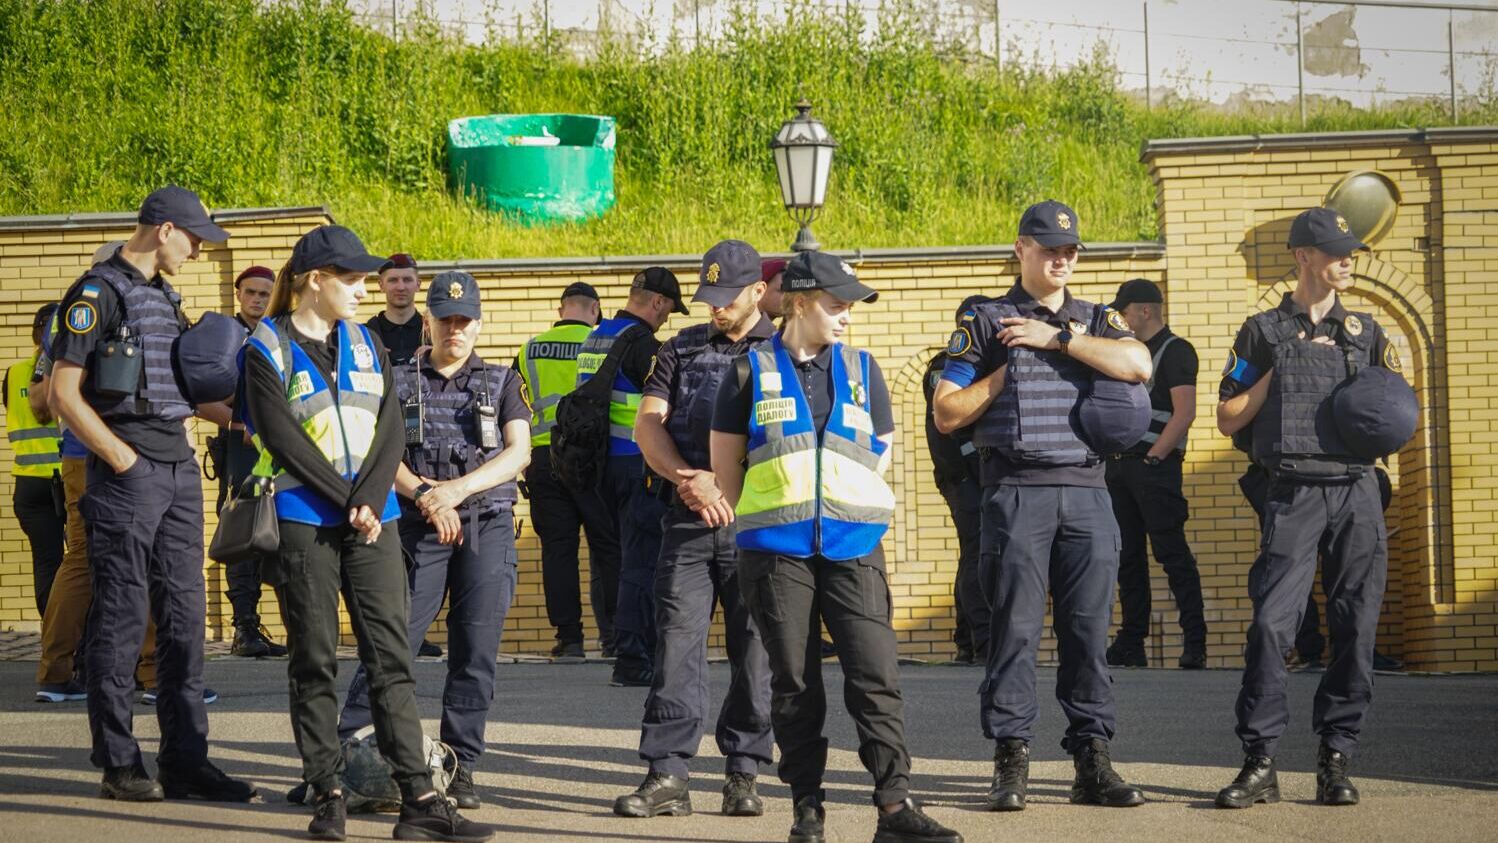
<point x="1114" y="415"/>
<point x="206" y="358"/>
<point x="1376" y="412"/>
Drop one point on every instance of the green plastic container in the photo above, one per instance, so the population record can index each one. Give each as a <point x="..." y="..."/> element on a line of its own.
<point x="539" y="168"/>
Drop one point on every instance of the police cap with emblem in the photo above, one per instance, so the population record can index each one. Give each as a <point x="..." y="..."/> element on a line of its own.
<point x="454" y="293"/>
<point x="335" y="246"/>
<point x="1376" y="412"/>
<point x="727" y="269"/>
<point x="658" y="279"/>
<point x="1050" y="224"/>
<point x="183" y="209"/>
<point x="1324" y="229"/>
<point x="823" y="271"/>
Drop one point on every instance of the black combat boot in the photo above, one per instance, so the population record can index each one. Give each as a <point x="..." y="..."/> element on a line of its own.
<point x="1011" y="776"/>
<point x="130" y="783"/>
<point x="658" y="794"/>
<point x="1332" y="785"/>
<point x="1097" y="783"/>
<point x="1256" y="782"/>
<point x="810" y="815"/>
<point x="435" y="818"/>
<point x="1123" y="653"/>
<point x="909" y="825"/>
<point x="329" y="817"/>
<point x="461" y="790"/>
<point x="740" y="797"/>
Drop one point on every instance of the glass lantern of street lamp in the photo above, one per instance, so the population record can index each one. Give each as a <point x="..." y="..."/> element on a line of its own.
<point x="803" y="160"/>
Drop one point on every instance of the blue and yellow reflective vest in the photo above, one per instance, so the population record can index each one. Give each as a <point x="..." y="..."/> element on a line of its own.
<point x="805" y="494"/>
<point x="624" y="399"/>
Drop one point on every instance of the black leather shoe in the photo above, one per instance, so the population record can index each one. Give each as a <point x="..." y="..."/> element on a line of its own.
<point x="1194" y="657"/>
<point x="909" y="825"/>
<point x="1332" y="785"/>
<point x="130" y="784"/>
<point x="1126" y="654"/>
<point x="203" y="781"/>
<point x="740" y="798"/>
<point x="658" y="794"/>
<point x="461" y="790"/>
<point x="1256" y="782"/>
<point x="810" y="816"/>
<point x="297" y="795"/>
<point x="1011" y="776"/>
<point x="429" y="650"/>
<point x="437" y="819"/>
<point x="1097" y="783"/>
<point x="329" y="818"/>
<point x="625" y="676"/>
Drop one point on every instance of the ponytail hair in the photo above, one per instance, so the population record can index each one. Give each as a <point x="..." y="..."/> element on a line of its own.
<point x="289" y="288"/>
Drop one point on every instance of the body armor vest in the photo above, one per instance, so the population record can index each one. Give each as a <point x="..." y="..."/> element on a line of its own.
<point x="153" y="315"/>
<point x="450" y="445"/>
<point x="700" y="369"/>
<point x="1033" y="421"/>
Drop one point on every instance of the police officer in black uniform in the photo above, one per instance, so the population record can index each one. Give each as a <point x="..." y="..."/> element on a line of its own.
<point x="699" y="561"/>
<point x="954" y="461"/>
<point x="1279" y="384"/>
<point x="467" y="439"/>
<point x="1145" y="485"/>
<point x="113" y="384"/>
<point x="1023" y="369"/>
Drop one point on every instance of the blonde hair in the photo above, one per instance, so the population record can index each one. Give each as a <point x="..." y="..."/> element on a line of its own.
<point x="288" y="289"/>
<point x="792" y="305"/>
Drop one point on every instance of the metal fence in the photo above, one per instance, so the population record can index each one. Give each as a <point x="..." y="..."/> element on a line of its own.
<point x="1365" y="53"/>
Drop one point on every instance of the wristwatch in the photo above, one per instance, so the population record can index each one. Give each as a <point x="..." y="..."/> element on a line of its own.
<point x="1064" y="338"/>
<point x="421" y="490"/>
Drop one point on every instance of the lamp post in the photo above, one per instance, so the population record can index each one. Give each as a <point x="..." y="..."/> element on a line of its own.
<point x="803" y="160"/>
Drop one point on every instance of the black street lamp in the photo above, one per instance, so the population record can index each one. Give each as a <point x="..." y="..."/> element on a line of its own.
<point x="803" y="160"/>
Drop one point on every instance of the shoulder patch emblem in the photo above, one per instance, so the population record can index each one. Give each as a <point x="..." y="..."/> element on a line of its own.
<point x="1353" y="325"/>
<point x="961" y="341"/>
<point x="82" y="317"/>
<point x="1116" y="320"/>
<point x="1391" y="358"/>
<point x="1232" y="363"/>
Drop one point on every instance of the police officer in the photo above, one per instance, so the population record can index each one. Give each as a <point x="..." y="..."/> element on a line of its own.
<point x="1278" y="384"/>
<point x="811" y="420"/>
<point x="114" y="385"/>
<point x="467" y="439"/>
<point x="1021" y="369"/>
<point x="954" y="462"/>
<point x="548" y="364"/>
<point x="36" y="460"/>
<point x="699" y="561"/>
<point x="653" y="296"/>
<point x="1145" y="485"/>
<point x="399" y="325"/>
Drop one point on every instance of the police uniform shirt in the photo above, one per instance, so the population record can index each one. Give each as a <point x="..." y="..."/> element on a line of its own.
<point x="90" y="314"/>
<point x="1252" y="355"/>
<point x="735" y="401"/>
<point x="1179" y="366"/>
<point x="976" y="352"/>
<point x="401" y="341"/>
<point x="663" y="382"/>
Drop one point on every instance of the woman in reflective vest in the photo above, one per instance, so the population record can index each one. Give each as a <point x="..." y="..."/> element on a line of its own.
<point x="35" y="462"/>
<point x="318" y="401"/>
<point x="800" y="442"/>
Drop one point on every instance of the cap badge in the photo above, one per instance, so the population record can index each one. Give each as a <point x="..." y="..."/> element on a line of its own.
<point x="712" y="273"/>
<point x="1353" y="325"/>
<point x="1063" y="220"/>
<point x="455" y="290"/>
<point x="843" y="265"/>
<point x="1341" y="223"/>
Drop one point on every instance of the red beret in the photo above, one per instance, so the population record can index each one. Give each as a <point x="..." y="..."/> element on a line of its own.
<point x="256" y="272"/>
<point x="768" y="269"/>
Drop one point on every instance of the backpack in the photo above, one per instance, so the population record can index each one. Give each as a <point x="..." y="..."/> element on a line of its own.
<point x="580" y="439"/>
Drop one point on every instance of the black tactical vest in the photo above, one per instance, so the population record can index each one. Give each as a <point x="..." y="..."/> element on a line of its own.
<point x="450" y="445"/>
<point x="700" y="368"/>
<point x="1295" y="431"/>
<point x="153" y="315"/>
<point x="1033" y="421"/>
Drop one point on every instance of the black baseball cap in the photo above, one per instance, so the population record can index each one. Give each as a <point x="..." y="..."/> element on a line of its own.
<point x="822" y="271"/>
<point x="1050" y="224"/>
<point x="399" y="260"/>
<point x="727" y="269"/>
<point x="1324" y="229"/>
<point x="658" y="279"/>
<point x="182" y="208"/>
<point x="454" y="293"/>
<point x="1137" y="291"/>
<point x="332" y="245"/>
<point x="580" y="288"/>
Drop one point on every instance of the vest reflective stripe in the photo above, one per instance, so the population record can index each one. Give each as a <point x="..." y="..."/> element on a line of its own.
<point x="450" y="446"/>
<point x="548" y="363"/>
<point x="151" y="313"/>
<point x="803" y="497"/>
<point x="343" y="428"/>
<point x="1160" y="418"/>
<point x="35" y="446"/>
<point x="1296" y="419"/>
<point x="624" y="399"/>
<point x="1032" y="419"/>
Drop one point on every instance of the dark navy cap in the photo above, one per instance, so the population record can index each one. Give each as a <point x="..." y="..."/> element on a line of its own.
<point x="580" y="288"/>
<point x="207" y="358"/>
<point x="1137" y="291"/>
<point x="454" y="293"/>
<point x="658" y="279"/>
<point x="1376" y="412"/>
<point x="822" y="271"/>
<point x="182" y="208"/>
<point x="332" y="245"/>
<point x="969" y="304"/>
<point x="1051" y="224"/>
<point x="1324" y="229"/>
<point x="1114" y="415"/>
<point x="399" y="260"/>
<point x="727" y="269"/>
